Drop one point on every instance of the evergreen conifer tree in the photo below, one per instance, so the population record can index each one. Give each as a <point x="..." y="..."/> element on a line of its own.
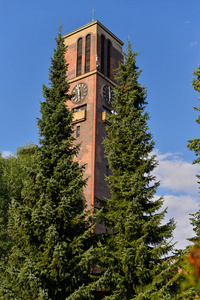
<point x="12" y="174"/>
<point x="194" y="145"/>
<point x="188" y="259"/>
<point x="190" y="264"/>
<point x="4" y="241"/>
<point x="134" y="258"/>
<point x="52" y="232"/>
<point x="195" y="222"/>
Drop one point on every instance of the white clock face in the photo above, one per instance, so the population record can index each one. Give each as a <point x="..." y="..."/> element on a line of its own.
<point x="108" y="93"/>
<point x="79" y="92"/>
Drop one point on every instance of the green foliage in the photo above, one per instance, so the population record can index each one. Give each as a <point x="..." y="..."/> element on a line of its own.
<point x="53" y="253"/>
<point x="134" y="256"/>
<point x="3" y="211"/>
<point x="190" y="264"/>
<point x="195" y="222"/>
<point x="194" y="145"/>
<point x="13" y="171"/>
<point x="192" y="276"/>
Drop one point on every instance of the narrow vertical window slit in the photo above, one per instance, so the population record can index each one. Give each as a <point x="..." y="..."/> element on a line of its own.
<point x="87" y="53"/>
<point x="108" y="58"/>
<point x="102" y="53"/>
<point x="79" y="56"/>
<point x="78" y="131"/>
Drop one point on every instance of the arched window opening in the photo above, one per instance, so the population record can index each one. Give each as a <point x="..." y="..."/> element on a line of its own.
<point x="108" y="58"/>
<point x="87" y="53"/>
<point x="79" y="56"/>
<point x="102" y="52"/>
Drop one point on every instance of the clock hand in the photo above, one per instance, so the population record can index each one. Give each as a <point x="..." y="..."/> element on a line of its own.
<point x="79" y="92"/>
<point x="109" y="94"/>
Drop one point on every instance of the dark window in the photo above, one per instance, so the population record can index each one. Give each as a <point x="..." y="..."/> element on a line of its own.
<point x="83" y="107"/>
<point x="107" y="110"/>
<point x="108" y="58"/>
<point x="79" y="56"/>
<point x="87" y="53"/>
<point x="102" y="52"/>
<point x="78" y="131"/>
<point x="107" y="170"/>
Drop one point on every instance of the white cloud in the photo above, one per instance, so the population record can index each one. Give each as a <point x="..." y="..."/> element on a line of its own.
<point x="6" y="153"/>
<point x="192" y="44"/>
<point x="177" y="175"/>
<point x="178" y="178"/>
<point x="180" y="207"/>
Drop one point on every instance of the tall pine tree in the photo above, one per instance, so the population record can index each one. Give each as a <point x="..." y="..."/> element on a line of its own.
<point x="4" y="240"/>
<point x="189" y="261"/>
<point x="134" y="257"/>
<point x="194" y="145"/>
<point x="12" y="174"/>
<point x="52" y="255"/>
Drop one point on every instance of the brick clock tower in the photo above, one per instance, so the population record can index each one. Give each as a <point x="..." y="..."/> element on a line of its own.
<point x="93" y="54"/>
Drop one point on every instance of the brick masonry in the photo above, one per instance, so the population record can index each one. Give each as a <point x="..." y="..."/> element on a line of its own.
<point x="92" y="130"/>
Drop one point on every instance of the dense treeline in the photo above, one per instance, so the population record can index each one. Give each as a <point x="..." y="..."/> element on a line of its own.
<point x="12" y="173"/>
<point x="51" y="232"/>
<point x="48" y="249"/>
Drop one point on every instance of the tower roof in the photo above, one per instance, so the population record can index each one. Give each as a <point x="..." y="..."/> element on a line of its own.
<point x="97" y="23"/>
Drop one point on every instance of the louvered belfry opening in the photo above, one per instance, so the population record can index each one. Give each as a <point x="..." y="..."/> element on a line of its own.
<point x="102" y="52"/>
<point x="87" y="53"/>
<point x="108" y="58"/>
<point x="79" y="56"/>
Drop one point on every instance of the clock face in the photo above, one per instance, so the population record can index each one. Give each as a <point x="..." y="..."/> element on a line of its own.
<point x="79" y="92"/>
<point x="108" y="94"/>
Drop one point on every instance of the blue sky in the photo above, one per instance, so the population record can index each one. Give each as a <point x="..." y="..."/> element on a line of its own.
<point x="165" y="33"/>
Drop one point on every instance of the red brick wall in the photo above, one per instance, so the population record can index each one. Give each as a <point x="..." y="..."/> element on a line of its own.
<point x="92" y="130"/>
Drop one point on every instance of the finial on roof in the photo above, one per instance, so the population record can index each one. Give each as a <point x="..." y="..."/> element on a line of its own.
<point x="93" y="14"/>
